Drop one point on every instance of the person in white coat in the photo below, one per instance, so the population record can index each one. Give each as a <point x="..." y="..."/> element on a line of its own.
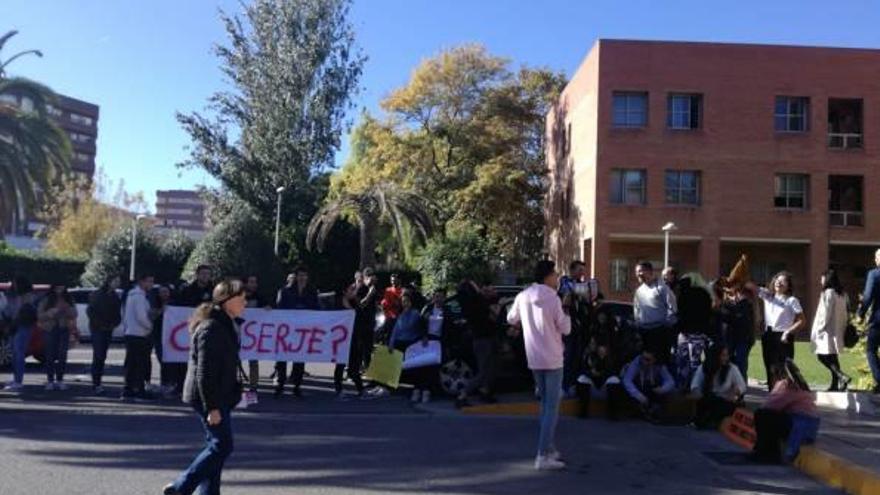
<point x="138" y="326"/>
<point x="829" y="326"/>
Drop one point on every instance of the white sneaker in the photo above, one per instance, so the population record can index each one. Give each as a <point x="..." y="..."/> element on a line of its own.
<point x="547" y="463"/>
<point x="555" y="455"/>
<point x="416" y="396"/>
<point x="61" y="386"/>
<point x="13" y="387"/>
<point x="50" y="386"/>
<point x="426" y="396"/>
<point x="381" y="392"/>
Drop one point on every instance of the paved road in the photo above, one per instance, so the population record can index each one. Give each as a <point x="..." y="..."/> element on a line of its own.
<point x="72" y="443"/>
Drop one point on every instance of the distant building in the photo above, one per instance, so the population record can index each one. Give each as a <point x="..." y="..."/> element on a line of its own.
<point x="181" y="210"/>
<point x="79" y="119"/>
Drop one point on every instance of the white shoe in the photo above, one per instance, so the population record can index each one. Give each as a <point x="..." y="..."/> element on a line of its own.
<point x="426" y="396"/>
<point x="547" y="463"/>
<point x="416" y="396"/>
<point x="50" y="386"/>
<point x="61" y="386"/>
<point x="13" y="387"/>
<point x="380" y="392"/>
<point x="555" y="455"/>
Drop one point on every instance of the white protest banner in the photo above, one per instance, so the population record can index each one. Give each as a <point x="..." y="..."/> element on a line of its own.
<point x="420" y="355"/>
<point x="271" y="335"/>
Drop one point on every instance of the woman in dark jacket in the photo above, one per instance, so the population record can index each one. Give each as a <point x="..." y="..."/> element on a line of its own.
<point x="212" y="384"/>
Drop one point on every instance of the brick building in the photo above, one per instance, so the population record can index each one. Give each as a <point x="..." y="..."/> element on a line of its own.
<point x="181" y="210"/>
<point x="77" y="118"/>
<point x="764" y="150"/>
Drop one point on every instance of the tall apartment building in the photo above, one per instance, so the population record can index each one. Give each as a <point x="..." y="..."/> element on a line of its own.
<point x="768" y="151"/>
<point x="79" y="119"/>
<point x="181" y="210"/>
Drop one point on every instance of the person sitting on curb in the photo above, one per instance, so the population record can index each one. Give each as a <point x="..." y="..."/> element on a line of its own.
<point x="788" y="415"/>
<point x="719" y="387"/>
<point x="648" y="384"/>
<point x="599" y="380"/>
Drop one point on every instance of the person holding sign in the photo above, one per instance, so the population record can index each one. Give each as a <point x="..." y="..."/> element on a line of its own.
<point x="539" y="311"/>
<point x="299" y="294"/>
<point x="213" y="386"/>
<point x="408" y="330"/>
<point x="355" y="354"/>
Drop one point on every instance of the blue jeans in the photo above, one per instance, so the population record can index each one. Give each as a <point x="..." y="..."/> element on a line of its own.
<point x="57" y="344"/>
<point x="739" y="356"/>
<point x="205" y="471"/>
<point x="100" y="345"/>
<point x="549" y="388"/>
<point x="873" y="345"/>
<point x="20" y="342"/>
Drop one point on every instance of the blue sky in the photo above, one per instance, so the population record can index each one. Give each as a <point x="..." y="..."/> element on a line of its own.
<point x="143" y="60"/>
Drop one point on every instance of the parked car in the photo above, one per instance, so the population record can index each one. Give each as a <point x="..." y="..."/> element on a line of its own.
<point x="36" y="346"/>
<point x="81" y="299"/>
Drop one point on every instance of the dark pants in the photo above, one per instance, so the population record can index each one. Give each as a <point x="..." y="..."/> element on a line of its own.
<point x="206" y="469"/>
<point x="57" y="344"/>
<point x="832" y="362"/>
<point x="100" y="345"/>
<point x="711" y="410"/>
<point x="872" y="347"/>
<point x="355" y="361"/>
<point x="774" y="351"/>
<point x="156" y="346"/>
<point x="137" y="356"/>
<point x="772" y="428"/>
<point x="615" y="397"/>
<point x="484" y="351"/>
<point x="297" y="371"/>
<point x="739" y="356"/>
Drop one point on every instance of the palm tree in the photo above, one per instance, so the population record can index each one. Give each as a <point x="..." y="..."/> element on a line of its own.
<point x="33" y="150"/>
<point x="370" y="207"/>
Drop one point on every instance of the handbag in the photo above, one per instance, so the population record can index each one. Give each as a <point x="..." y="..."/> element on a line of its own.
<point x="850" y="336"/>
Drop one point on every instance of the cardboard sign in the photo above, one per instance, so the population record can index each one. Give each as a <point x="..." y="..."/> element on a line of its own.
<point x="385" y="366"/>
<point x="420" y="355"/>
<point x="271" y="335"/>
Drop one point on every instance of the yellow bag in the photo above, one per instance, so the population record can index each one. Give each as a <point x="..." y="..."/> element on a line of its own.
<point x="385" y="367"/>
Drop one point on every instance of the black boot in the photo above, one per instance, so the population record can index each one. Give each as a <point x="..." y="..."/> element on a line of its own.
<point x="584" y="394"/>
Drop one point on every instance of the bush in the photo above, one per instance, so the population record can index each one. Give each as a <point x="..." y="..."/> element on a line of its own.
<point x="238" y="246"/>
<point x="40" y="268"/>
<point x="163" y="257"/>
<point x="445" y="261"/>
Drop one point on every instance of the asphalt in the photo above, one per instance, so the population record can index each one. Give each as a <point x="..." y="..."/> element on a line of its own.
<point x="74" y="443"/>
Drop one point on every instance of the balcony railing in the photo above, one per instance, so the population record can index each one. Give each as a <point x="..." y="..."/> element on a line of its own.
<point x="846" y="218"/>
<point x="844" y="140"/>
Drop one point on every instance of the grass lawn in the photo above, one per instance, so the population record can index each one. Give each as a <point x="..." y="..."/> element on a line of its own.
<point x="816" y="374"/>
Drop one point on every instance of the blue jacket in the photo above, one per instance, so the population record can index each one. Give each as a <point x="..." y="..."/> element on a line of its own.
<point x="871" y="297"/>
<point x="408" y="328"/>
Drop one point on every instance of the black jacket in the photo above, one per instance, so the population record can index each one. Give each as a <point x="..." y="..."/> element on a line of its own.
<point x="104" y="311"/>
<point x="212" y="377"/>
<point x="192" y="295"/>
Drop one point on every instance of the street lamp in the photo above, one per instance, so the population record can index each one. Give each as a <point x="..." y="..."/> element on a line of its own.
<point x="669" y="227"/>
<point x="278" y="217"/>
<point x="134" y="236"/>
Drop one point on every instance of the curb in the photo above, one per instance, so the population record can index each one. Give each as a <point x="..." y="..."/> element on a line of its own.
<point x="837" y="472"/>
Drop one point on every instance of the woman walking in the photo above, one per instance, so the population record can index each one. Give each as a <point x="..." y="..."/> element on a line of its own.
<point x="22" y="312"/>
<point x="829" y="325"/>
<point x="213" y="386"/>
<point x="56" y="315"/>
<point x="783" y="317"/>
<point x="539" y="311"/>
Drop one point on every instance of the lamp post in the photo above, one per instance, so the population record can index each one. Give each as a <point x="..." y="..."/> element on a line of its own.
<point x="134" y="236"/>
<point x="669" y="227"/>
<point x="278" y="217"/>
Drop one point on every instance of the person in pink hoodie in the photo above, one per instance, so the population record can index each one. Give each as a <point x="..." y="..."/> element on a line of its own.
<point x="540" y="313"/>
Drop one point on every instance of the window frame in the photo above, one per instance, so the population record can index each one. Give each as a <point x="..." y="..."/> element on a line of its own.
<point x="786" y="192"/>
<point x="621" y="190"/>
<point x="619" y="266"/>
<point x="627" y="111"/>
<point x="788" y="115"/>
<point x="694" y="115"/>
<point x="679" y="189"/>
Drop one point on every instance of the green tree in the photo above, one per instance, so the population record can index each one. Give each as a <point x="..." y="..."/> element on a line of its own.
<point x="446" y="261"/>
<point x="34" y="151"/>
<point x="238" y="246"/>
<point x="293" y="67"/>
<point x="163" y="256"/>
<point x="368" y="208"/>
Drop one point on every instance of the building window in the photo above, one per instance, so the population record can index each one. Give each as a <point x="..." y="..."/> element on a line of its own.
<point x="845" y="201"/>
<point x="81" y="119"/>
<point x="619" y="275"/>
<point x="8" y="98"/>
<point x="791" y="114"/>
<point x="628" y="187"/>
<point x="791" y="191"/>
<point x="684" y="111"/>
<point x="83" y="157"/>
<point x="630" y="110"/>
<point x="844" y="123"/>
<point x="683" y="187"/>
<point x="54" y="111"/>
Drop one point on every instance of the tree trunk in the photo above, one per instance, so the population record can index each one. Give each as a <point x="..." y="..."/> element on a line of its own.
<point x="369" y="225"/>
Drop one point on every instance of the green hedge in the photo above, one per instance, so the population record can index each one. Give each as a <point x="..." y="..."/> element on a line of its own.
<point x="41" y="269"/>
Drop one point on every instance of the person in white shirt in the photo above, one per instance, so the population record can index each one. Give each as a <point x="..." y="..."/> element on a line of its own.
<point x="718" y="386"/>
<point x="783" y="317"/>
<point x="655" y="311"/>
<point x="829" y="325"/>
<point x="138" y="327"/>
